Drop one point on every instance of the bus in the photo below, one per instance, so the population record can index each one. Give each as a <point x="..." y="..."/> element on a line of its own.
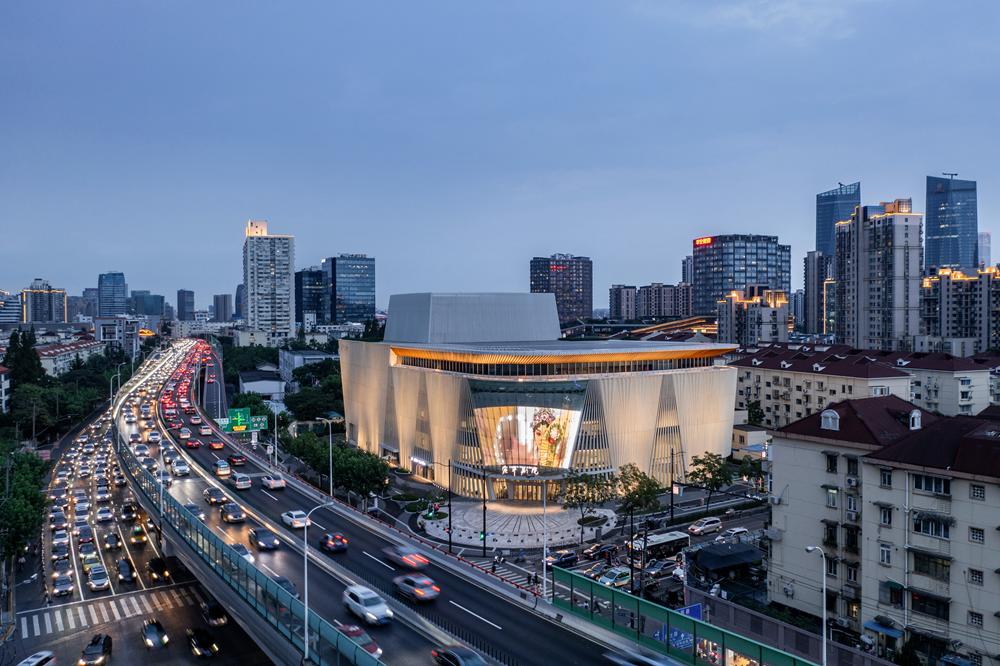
<point x="658" y="546"/>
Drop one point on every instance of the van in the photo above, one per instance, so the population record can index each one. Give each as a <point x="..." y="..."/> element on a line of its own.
<point x="241" y="481"/>
<point x="221" y="468"/>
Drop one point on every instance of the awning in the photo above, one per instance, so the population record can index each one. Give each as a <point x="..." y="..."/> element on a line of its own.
<point x="872" y="625"/>
<point x="956" y="659"/>
<point x="932" y="595"/>
<point x="884" y="505"/>
<point x="829" y="521"/>
<point x="929" y="553"/>
<point x="829" y="486"/>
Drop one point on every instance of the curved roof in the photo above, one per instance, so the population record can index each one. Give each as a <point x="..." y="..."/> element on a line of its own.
<point x="561" y="351"/>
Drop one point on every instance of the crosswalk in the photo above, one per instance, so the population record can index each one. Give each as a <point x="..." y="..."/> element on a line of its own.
<point x="521" y="576"/>
<point x="75" y="616"/>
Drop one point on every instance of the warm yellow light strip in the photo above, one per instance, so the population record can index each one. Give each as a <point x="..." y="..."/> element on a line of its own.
<point x="527" y="359"/>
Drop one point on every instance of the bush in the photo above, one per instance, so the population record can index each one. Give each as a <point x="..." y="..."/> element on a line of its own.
<point x="437" y="515"/>
<point x="591" y="521"/>
<point x="416" y="507"/>
<point x="406" y="497"/>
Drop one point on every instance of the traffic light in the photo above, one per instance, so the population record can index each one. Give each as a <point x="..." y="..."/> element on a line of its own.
<point x="482" y="536"/>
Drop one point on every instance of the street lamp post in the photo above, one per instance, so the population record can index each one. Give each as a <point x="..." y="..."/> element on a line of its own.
<point x="329" y="427"/>
<point x="305" y="575"/>
<point x="814" y="549"/>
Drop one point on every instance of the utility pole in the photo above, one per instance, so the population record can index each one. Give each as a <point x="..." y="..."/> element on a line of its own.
<point x="450" y="470"/>
<point x="484" y="513"/>
<point x="671" y="485"/>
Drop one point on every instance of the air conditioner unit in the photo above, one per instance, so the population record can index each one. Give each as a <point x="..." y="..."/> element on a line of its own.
<point x="843" y="622"/>
<point x="852" y="516"/>
<point x="852" y="482"/>
<point x="789" y="590"/>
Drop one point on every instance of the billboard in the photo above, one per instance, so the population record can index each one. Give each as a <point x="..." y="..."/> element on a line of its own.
<point x="522" y="435"/>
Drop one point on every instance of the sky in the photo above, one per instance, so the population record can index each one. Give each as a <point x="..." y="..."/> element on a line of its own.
<point x="456" y="140"/>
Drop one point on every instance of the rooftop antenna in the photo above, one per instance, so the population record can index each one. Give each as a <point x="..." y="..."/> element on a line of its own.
<point x="950" y="175"/>
<point x="840" y="183"/>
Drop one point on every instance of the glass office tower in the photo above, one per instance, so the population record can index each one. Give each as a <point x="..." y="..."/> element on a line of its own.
<point x="351" y="280"/>
<point x="311" y="295"/>
<point x="112" y="294"/>
<point x="833" y="206"/>
<point x="737" y="261"/>
<point x="951" y="224"/>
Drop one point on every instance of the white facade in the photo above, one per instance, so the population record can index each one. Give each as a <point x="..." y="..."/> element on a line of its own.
<point x="269" y="276"/>
<point x="4" y="390"/>
<point x="58" y="358"/>
<point x="950" y="392"/>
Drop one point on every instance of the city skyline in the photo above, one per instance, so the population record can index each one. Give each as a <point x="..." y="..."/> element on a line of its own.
<point x="605" y="146"/>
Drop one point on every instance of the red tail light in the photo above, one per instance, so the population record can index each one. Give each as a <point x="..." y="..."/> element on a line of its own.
<point x="435" y="588"/>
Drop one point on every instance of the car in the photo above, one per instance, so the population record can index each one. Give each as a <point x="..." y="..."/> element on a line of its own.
<point x="62" y="585"/>
<point x="196" y="509"/>
<point x="60" y="538"/>
<point x="237" y="459"/>
<point x="273" y="481"/>
<point x="112" y="541"/>
<point x="180" y="468"/>
<point x="184" y="433"/>
<point x="81" y="508"/>
<point x="241" y="481"/>
<point x="263" y="538"/>
<point x="201" y="642"/>
<point x="90" y="561"/>
<point x="157" y="569"/>
<point x="232" y="513"/>
<point x="165" y="478"/>
<point x="129" y="511"/>
<point x="153" y="634"/>
<point x="154" y="437"/>
<point x="221" y="469"/>
<point x="98" y="578"/>
<point x="360" y="637"/>
<point x="418" y="588"/>
<point x="243" y="552"/>
<point x="705" y="525"/>
<point x="733" y="534"/>
<point x="78" y="524"/>
<point x="120" y="481"/>
<point x="126" y="574"/>
<point x="102" y="494"/>
<point x="214" y="614"/>
<point x="595" y="570"/>
<point x="85" y="536"/>
<point x="193" y="443"/>
<point x="58" y="521"/>
<point x="214" y="496"/>
<point x="195" y="420"/>
<point x="406" y="556"/>
<point x="97" y="652"/>
<point x="133" y="438"/>
<point x="205" y="430"/>
<point x="366" y="604"/>
<point x="149" y="464"/>
<point x="616" y="577"/>
<point x="137" y="535"/>
<point x="61" y="567"/>
<point x="169" y="457"/>
<point x="600" y="551"/>
<point x="456" y="655"/>
<point x="659" y="568"/>
<point x="333" y="542"/>
<point x="216" y="445"/>
<point x="105" y="514"/>
<point x="141" y="451"/>
<point x="562" y="558"/>
<point x="286" y="585"/>
<point x="296" y="518"/>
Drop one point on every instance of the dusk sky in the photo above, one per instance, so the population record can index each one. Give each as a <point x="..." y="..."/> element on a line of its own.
<point x="455" y="140"/>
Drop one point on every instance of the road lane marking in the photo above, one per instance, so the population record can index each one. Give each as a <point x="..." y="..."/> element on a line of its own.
<point x="59" y="622"/>
<point x="365" y="552"/>
<point x="177" y="597"/>
<point x="149" y="609"/>
<point x="83" y="617"/>
<point x="93" y="615"/>
<point x="114" y="611"/>
<point x="34" y="621"/>
<point x="24" y="627"/>
<point x="69" y="619"/>
<point x="496" y="626"/>
<point x="187" y="597"/>
<point x="48" y="624"/>
<point x="316" y="524"/>
<point x="138" y="611"/>
<point x="270" y="569"/>
<point x="269" y="495"/>
<point x="156" y="601"/>
<point x="104" y="613"/>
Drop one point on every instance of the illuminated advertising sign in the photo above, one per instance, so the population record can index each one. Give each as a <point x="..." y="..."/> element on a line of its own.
<point x="146" y="333"/>
<point x="524" y="439"/>
<point x="703" y="241"/>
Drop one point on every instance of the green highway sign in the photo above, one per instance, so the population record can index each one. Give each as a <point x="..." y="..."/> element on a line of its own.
<point x="223" y="423"/>
<point x="258" y="423"/>
<point x="239" y="420"/>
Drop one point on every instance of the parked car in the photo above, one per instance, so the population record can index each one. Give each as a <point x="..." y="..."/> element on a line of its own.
<point x="705" y="526"/>
<point x="733" y="534"/>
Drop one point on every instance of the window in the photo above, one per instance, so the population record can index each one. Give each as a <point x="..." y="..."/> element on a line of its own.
<point x="932" y="527"/>
<point x="938" y="568"/>
<point x="852" y="573"/>
<point x="885" y="516"/>
<point x="975" y="577"/>
<point x="885" y="554"/>
<point x="830" y="420"/>
<point x="831" y="498"/>
<point x="975" y="659"/>
<point x="878" y="391"/>
<point x="852" y="502"/>
<point x="890" y="592"/>
<point x="831" y="463"/>
<point x="831" y="566"/>
<point x="852" y="466"/>
<point x="928" y="605"/>
<point x="932" y="484"/>
<point x="975" y="619"/>
<point x="977" y="491"/>
<point x="830" y="535"/>
<point x="885" y="478"/>
<point x="977" y="535"/>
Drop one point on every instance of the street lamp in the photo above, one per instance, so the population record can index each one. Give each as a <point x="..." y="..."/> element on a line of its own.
<point x="329" y="425"/>
<point x="815" y="549"/>
<point x="305" y="575"/>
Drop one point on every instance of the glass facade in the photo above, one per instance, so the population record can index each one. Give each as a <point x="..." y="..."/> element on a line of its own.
<point x="571" y="279"/>
<point x="112" y="294"/>
<point x="833" y="206"/>
<point x="951" y="224"/>
<point x="185" y="305"/>
<point x="737" y="261"/>
<point x="351" y="279"/>
<point x="312" y="295"/>
<point x="555" y="369"/>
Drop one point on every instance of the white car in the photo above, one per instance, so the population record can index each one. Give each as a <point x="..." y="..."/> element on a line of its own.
<point x="60" y="538"/>
<point x="295" y="519"/>
<point x="184" y="433"/>
<point x="272" y="481"/>
<point x="705" y="525"/>
<point x="242" y="551"/>
<point x="195" y="420"/>
<point x="153" y="437"/>
<point x="180" y="468"/>
<point x="367" y="605"/>
<point x="205" y="430"/>
<point x="733" y="534"/>
<point x="105" y="514"/>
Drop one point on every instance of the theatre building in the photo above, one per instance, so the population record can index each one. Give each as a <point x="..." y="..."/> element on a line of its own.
<point x="481" y="385"/>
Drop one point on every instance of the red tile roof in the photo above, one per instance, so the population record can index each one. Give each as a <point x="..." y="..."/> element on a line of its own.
<point x="874" y="421"/>
<point x="956" y="444"/>
<point x="846" y="361"/>
<point x="59" y="348"/>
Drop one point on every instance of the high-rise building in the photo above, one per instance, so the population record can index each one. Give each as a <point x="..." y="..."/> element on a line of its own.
<point x="185" y="305"/>
<point x="878" y="260"/>
<point x="984" y="249"/>
<point x="621" y="302"/>
<point x="817" y="268"/>
<point x="661" y="300"/>
<point x="145" y="303"/>
<point x="797" y="307"/>
<point x="43" y="304"/>
<point x="955" y="306"/>
<point x="687" y="269"/>
<point x="834" y="206"/>
<point x="222" y="307"/>
<point x="736" y="262"/>
<point x="91" y="300"/>
<point x="241" y="300"/>
<point x="112" y="294"/>
<point x="169" y="314"/>
<point x="312" y="294"/>
<point x="74" y="308"/>
<point x="351" y="280"/>
<point x="758" y="316"/>
<point x="952" y="224"/>
<point x="10" y="308"/>
<point x="269" y="276"/>
<point x="571" y="279"/>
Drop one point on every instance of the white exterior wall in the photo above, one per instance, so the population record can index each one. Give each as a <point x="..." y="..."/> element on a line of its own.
<point x="4" y="392"/>
<point x="950" y="393"/>
<point x="436" y="318"/>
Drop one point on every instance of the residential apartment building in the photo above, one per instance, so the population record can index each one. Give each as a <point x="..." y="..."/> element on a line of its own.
<point x="112" y="294"/>
<point x="957" y="307"/>
<point x="878" y="272"/>
<point x="752" y="318"/>
<point x="58" y="358"/>
<point x="41" y="303"/>
<point x="621" y="302"/>
<point x="269" y="276"/>
<point x="687" y="269"/>
<point x="10" y="308"/>
<point x="121" y="332"/>
<point x="663" y="300"/>
<point x="819" y="500"/>
<point x="4" y="390"/>
<point x="952" y="224"/>
<point x="571" y="279"/>
<point x="817" y="267"/>
<point x="736" y="261"/>
<point x="797" y="307"/>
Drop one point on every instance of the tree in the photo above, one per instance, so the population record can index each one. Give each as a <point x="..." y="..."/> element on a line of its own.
<point x="374" y="331"/>
<point x="752" y="470"/>
<point x="312" y="374"/>
<point x="23" y="510"/>
<point x="711" y="472"/>
<point x="310" y="404"/>
<point x="755" y="415"/>
<point x="22" y="360"/>
<point x="363" y="472"/>
<point x="638" y="491"/>
<point x="586" y="492"/>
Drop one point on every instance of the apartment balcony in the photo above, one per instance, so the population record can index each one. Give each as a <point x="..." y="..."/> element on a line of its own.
<point x="931" y="504"/>
<point x="930" y="544"/>
<point x="941" y="588"/>
<point x="851" y="592"/>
